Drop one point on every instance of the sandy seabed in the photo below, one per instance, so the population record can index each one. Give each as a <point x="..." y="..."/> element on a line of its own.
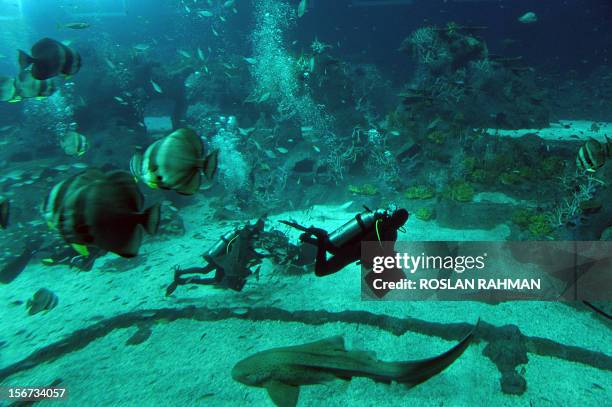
<point x="188" y="362"/>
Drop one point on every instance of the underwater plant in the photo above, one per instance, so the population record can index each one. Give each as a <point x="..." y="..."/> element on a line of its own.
<point x="419" y="192"/>
<point x="426" y="44"/>
<point x="460" y="191"/>
<point x="365" y="189"/>
<point x="436" y="137"/>
<point x="521" y="217"/>
<point x="425" y="213"/>
<point x="551" y="166"/>
<point x="539" y="225"/>
<point x="510" y="178"/>
<point x="479" y="176"/>
<point x="582" y="189"/>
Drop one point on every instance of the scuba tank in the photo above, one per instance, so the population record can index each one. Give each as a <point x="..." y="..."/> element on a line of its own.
<point x="220" y="247"/>
<point x="360" y="224"/>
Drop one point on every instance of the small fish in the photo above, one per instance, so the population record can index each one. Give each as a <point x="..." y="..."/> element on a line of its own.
<point x="8" y="90"/>
<point x="302" y="8"/>
<point x="346" y="205"/>
<point x="120" y="100"/>
<point x="110" y="63"/>
<point x="245" y="132"/>
<point x="28" y="87"/>
<point x="184" y="53"/>
<point x="528" y="18"/>
<point x="215" y="33"/>
<point x="311" y="64"/>
<point x="205" y="13"/>
<point x="141" y="47"/>
<point x="270" y="154"/>
<point x="156" y="87"/>
<point x="281" y="371"/>
<point x="317" y="149"/>
<point x="229" y="4"/>
<point x="176" y="162"/>
<point x="100" y="210"/>
<point x="592" y="155"/>
<point x="74" y="144"/>
<point x="200" y="54"/>
<point x="222" y="18"/>
<point x="74" y="26"/>
<point x="282" y="150"/>
<point x="251" y="61"/>
<point x="264" y="97"/>
<point x="43" y="300"/>
<point x="50" y="58"/>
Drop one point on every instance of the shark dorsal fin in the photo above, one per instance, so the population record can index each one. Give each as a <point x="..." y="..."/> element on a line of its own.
<point x="327" y="344"/>
<point x="283" y="395"/>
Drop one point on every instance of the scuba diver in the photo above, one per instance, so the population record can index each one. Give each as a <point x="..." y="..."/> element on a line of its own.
<point x="344" y="244"/>
<point x="232" y="258"/>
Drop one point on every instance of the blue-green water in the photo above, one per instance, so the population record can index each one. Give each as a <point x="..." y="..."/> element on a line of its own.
<point x="162" y="202"/>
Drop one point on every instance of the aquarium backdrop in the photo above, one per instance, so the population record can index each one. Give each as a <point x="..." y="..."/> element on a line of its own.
<point x="305" y="202"/>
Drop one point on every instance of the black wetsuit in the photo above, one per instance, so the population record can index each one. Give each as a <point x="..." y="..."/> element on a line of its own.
<point x="231" y="261"/>
<point x="384" y="232"/>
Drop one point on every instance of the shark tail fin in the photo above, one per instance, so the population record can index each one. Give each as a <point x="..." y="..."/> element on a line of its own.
<point x="416" y="372"/>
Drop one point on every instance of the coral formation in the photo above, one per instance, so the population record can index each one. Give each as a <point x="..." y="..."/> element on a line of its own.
<point x="457" y="75"/>
<point x="460" y="191"/>
<point x="425" y="213"/>
<point x="419" y="192"/>
<point x="365" y="189"/>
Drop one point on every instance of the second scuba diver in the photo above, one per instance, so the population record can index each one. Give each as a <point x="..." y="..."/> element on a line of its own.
<point x="231" y="258"/>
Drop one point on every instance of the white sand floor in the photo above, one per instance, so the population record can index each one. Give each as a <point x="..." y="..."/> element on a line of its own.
<point x="174" y="367"/>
